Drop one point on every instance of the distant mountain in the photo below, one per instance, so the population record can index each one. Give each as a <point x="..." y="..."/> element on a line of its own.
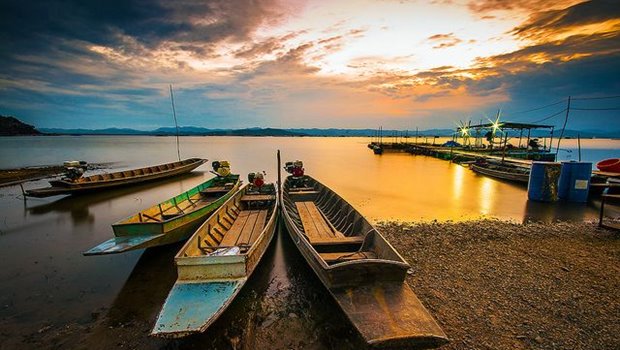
<point x="11" y="126"/>
<point x="197" y="131"/>
<point x="108" y="131"/>
<point x="332" y="132"/>
<point x="184" y="131"/>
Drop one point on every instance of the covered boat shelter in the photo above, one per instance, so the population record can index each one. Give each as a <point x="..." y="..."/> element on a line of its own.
<point x="504" y="127"/>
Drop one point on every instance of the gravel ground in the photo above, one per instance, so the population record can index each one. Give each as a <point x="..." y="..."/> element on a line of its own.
<point x="498" y="285"/>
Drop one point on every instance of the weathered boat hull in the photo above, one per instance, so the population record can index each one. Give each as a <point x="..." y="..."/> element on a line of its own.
<point x="503" y="175"/>
<point x="207" y="284"/>
<point x="117" y="179"/>
<point x="131" y="235"/>
<point x="371" y="292"/>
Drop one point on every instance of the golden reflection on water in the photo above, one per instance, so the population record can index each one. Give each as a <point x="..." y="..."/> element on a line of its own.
<point x="486" y="195"/>
<point x="391" y="186"/>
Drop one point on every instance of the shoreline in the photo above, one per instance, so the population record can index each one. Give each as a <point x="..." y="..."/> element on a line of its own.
<point x="490" y="284"/>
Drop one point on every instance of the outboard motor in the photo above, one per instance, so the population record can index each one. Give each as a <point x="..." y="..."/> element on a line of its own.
<point x="221" y="168"/>
<point x="74" y="169"/>
<point x="257" y="179"/>
<point x="295" y="168"/>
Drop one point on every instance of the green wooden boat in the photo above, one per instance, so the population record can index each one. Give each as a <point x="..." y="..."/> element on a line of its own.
<point x="170" y="221"/>
<point x="217" y="260"/>
<point x="360" y="268"/>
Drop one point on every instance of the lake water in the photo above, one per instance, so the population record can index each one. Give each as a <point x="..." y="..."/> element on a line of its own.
<point x="47" y="281"/>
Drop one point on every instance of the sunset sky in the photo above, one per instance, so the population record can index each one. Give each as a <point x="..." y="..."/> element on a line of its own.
<point x="351" y="64"/>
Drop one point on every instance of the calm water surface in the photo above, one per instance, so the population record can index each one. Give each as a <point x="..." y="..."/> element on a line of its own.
<point x="46" y="280"/>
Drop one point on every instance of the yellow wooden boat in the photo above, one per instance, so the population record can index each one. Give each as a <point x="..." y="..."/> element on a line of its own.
<point x="217" y="261"/>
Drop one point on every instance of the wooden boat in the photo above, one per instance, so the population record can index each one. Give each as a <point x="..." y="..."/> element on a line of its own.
<point x="502" y="171"/>
<point x="611" y="165"/>
<point x="116" y="179"/>
<point x="361" y="270"/>
<point x="170" y="221"/>
<point x="217" y="260"/>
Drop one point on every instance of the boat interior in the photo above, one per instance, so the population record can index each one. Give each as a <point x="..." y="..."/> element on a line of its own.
<point x="136" y="172"/>
<point x="334" y="229"/>
<point x="236" y="226"/>
<point x="187" y="202"/>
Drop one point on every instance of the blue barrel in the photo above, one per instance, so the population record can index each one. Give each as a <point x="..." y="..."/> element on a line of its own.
<point x="575" y="181"/>
<point x="543" y="183"/>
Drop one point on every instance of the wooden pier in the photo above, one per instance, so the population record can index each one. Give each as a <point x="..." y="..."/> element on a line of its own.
<point x="465" y="154"/>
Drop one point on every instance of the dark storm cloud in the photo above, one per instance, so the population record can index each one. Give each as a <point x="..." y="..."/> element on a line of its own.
<point x="27" y="26"/>
<point x="588" y="12"/>
<point x="484" y="6"/>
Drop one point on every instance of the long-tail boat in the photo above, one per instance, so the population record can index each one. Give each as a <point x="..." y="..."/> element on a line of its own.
<point x="172" y="220"/>
<point x="361" y="270"/>
<point x="79" y="184"/>
<point x="502" y="171"/>
<point x="217" y="260"/>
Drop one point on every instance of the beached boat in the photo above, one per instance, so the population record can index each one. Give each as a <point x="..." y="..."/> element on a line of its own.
<point x="116" y="179"/>
<point x="502" y="171"/>
<point x="361" y="270"/>
<point x="217" y="260"/>
<point x="170" y="221"/>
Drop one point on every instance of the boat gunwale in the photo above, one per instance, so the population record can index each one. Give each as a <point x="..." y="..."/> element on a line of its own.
<point x="179" y="256"/>
<point x="86" y="184"/>
<point x="498" y="174"/>
<point x="122" y="223"/>
<point x="345" y="264"/>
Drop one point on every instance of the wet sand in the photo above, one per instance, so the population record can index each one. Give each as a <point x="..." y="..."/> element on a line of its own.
<point x="499" y="285"/>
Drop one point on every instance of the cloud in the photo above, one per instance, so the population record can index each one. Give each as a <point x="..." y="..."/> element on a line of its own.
<point x="603" y="13"/>
<point x="484" y="6"/>
<point x="444" y="40"/>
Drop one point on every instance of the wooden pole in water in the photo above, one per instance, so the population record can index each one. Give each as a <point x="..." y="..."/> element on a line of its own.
<point x="174" y="114"/>
<point x="557" y="150"/>
<point x="579" y="145"/>
<point x="505" y="144"/>
<point x="279" y="178"/>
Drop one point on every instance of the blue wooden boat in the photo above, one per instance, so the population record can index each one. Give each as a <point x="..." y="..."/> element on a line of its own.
<point x="217" y="261"/>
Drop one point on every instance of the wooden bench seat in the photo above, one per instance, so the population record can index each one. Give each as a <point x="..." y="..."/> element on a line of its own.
<point x="258" y="197"/>
<point x="346" y="256"/>
<point x="209" y="191"/>
<point x="315" y="225"/>
<point x="354" y="240"/>
<point x="304" y="196"/>
<point x="245" y="230"/>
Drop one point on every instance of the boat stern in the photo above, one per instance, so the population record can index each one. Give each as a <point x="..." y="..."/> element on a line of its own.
<point x="192" y="307"/>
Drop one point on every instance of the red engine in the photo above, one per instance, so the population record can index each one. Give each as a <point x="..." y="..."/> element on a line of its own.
<point x="257" y="179"/>
<point x="295" y="168"/>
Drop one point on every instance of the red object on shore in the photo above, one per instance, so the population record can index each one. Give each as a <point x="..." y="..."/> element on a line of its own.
<point x="611" y="165"/>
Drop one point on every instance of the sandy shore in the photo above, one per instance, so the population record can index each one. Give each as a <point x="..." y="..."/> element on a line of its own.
<point x="498" y="285"/>
<point x="490" y="284"/>
<point x="15" y="176"/>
